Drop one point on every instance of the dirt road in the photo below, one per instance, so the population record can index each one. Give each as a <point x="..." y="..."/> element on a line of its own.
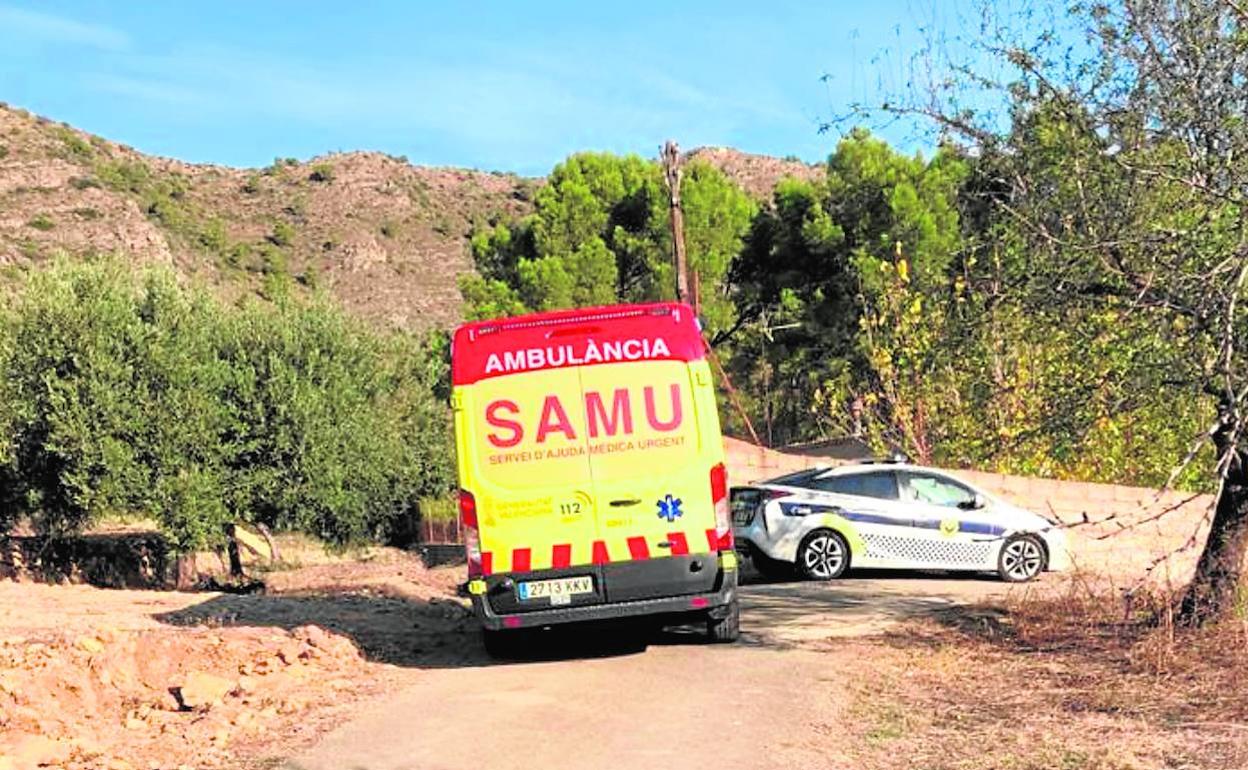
<point x="775" y="700"/>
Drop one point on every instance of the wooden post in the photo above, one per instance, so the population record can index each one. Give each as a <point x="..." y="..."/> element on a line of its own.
<point x="671" y="169"/>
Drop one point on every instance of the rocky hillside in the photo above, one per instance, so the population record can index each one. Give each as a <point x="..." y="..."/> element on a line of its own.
<point x="756" y="174"/>
<point x="386" y="238"/>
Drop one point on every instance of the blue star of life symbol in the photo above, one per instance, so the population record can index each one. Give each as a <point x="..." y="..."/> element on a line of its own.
<point x="669" y="508"/>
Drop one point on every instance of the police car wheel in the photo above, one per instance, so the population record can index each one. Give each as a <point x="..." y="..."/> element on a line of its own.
<point x="728" y="628"/>
<point x="1022" y="559"/>
<point x="823" y="555"/>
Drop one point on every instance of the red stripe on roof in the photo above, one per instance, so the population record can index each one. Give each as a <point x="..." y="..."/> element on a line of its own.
<point x="520" y="559"/>
<point x="637" y="548"/>
<point x="680" y="546"/>
<point x="561" y="556"/>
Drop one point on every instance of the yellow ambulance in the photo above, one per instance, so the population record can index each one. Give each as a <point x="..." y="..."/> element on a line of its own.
<point x="591" y="471"/>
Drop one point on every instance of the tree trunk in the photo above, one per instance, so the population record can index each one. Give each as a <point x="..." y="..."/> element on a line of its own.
<point x="185" y="572"/>
<point x="231" y="548"/>
<point x="1214" y="590"/>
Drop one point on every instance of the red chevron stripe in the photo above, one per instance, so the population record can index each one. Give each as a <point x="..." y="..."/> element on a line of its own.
<point x="600" y="552"/>
<point x="712" y="539"/>
<point x="637" y="548"/>
<point x="561" y="556"/>
<point x="487" y="563"/>
<point x="680" y="546"/>
<point x="520" y="560"/>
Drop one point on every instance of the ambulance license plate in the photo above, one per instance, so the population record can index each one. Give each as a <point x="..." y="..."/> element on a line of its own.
<point x="559" y="591"/>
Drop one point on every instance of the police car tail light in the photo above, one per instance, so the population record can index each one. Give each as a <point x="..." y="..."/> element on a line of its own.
<point x="472" y="538"/>
<point x="723" y="512"/>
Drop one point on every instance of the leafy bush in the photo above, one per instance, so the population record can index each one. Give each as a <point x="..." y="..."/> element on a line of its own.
<point x="322" y="172"/>
<point x="4" y="151"/>
<point x="41" y="222"/>
<point x="125" y="393"/>
<point x="124" y="175"/>
<point x="283" y="234"/>
<point x="77" y="146"/>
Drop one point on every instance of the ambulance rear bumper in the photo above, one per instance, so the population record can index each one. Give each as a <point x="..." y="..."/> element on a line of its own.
<point x="713" y="602"/>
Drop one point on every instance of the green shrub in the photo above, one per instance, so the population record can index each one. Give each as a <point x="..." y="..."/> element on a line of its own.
<point x="77" y="146"/>
<point x="41" y="222"/>
<point x="124" y="175"/>
<point x="4" y="152"/>
<point x="212" y="236"/>
<point x="310" y="277"/>
<point x="126" y="392"/>
<point x="390" y="228"/>
<point x="252" y="185"/>
<point x="83" y="182"/>
<point x="283" y="234"/>
<point x="87" y="213"/>
<point x="322" y="172"/>
<point x="30" y="249"/>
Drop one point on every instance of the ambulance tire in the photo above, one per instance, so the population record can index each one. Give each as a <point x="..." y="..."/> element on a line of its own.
<point x="503" y="645"/>
<point x="727" y="629"/>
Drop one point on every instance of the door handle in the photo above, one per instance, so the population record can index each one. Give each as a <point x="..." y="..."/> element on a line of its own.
<point x="665" y="544"/>
<point x="624" y="503"/>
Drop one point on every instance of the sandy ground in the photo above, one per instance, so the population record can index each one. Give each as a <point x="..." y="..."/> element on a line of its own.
<point x="377" y="665"/>
<point x="609" y="699"/>
<point x="93" y="678"/>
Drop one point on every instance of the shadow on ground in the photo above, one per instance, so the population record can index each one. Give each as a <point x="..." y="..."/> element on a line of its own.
<point x="400" y="630"/>
<point x="437" y="633"/>
<point x="792" y="612"/>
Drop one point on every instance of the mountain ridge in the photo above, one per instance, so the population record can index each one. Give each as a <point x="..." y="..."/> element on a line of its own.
<point x="388" y="239"/>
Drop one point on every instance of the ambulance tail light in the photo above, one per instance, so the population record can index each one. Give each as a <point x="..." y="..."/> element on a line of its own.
<point x="472" y="536"/>
<point x="723" y="512"/>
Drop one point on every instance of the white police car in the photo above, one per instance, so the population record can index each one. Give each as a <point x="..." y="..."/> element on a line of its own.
<point x="897" y="516"/>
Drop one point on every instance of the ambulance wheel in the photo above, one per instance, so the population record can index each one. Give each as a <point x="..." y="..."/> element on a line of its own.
<point x="823" y="555"/>
<point x="502" y="645"/>
<point x="728" y="628"/>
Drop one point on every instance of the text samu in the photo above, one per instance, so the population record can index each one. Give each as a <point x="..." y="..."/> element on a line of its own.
<point x="600" y="420"/>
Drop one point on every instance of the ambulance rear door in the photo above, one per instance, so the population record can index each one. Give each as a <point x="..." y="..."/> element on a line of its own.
<point x="530" y="474"/>
<point x="646" y="428"/>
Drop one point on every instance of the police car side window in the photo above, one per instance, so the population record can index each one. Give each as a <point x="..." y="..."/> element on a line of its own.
<point x="880" y="485"/>
<point x="937" y="491"/>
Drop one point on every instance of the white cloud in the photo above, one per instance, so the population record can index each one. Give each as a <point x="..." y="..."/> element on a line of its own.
<point x="44" y="27"/>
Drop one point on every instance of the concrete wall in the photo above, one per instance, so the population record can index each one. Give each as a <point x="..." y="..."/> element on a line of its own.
<point x="1121" y="540"/>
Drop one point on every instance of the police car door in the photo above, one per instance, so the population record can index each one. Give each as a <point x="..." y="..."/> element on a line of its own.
<point x="949" y="532"/>
<point x="871" y="505"/>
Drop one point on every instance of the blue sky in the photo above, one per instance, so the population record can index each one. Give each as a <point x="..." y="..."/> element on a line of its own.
<point x="511" y="86"/>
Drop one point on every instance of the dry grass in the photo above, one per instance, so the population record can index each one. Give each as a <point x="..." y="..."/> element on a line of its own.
<point x="1077" y="681"/>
